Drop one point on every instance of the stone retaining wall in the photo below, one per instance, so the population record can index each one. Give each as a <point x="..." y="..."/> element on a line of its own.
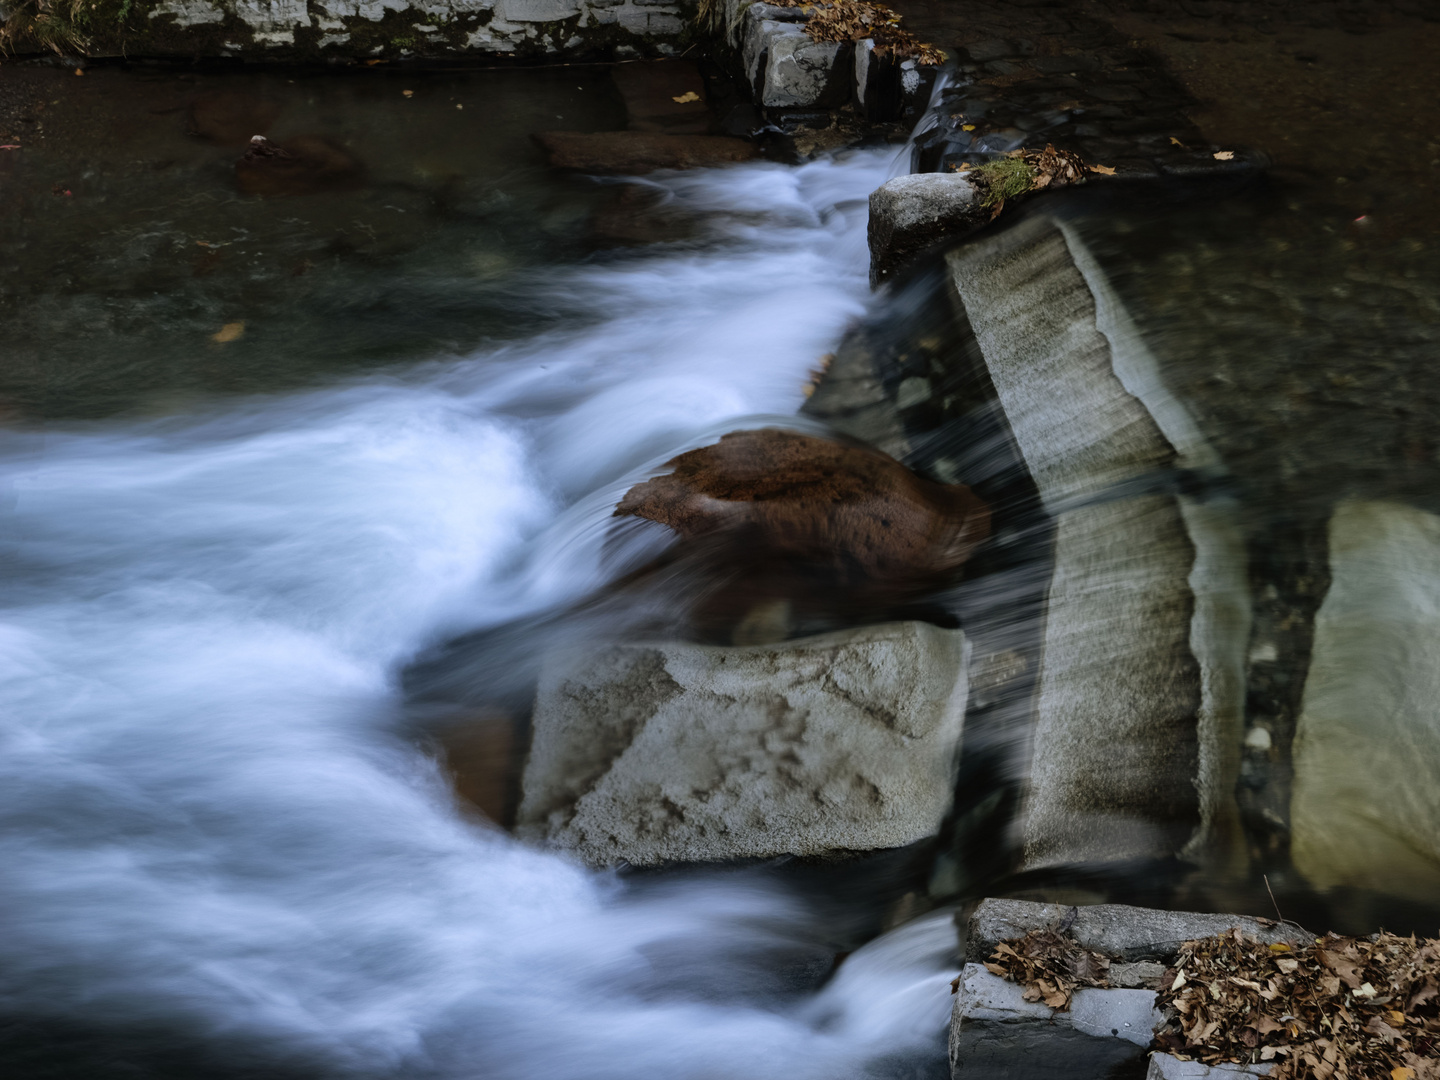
<point x="309" y="30"/>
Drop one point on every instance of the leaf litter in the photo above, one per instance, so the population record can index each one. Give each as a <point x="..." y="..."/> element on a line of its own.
<point x="859" y="20"/>
<point x="1342" y="1008"/>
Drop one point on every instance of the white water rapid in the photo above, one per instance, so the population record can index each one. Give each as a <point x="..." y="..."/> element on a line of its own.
<point x="209" y="822"/>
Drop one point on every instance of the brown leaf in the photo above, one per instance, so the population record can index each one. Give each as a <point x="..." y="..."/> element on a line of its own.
<point x="1103" y="170"/>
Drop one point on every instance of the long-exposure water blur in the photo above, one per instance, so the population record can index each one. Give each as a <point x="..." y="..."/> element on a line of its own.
<point x="484" y="596"/>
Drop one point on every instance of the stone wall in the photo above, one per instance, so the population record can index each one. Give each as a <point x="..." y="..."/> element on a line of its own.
<point x="394" y="29"/>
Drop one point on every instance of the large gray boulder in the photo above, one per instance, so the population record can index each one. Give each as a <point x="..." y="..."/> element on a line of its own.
<point x="1138" y="720"/>
<point x="1365" y="809"/>
<point x="844" y="742"/>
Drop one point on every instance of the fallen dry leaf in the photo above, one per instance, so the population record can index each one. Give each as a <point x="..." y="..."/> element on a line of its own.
<point x="1176" y="142"/>
<point x="1224" y="155"/>
<point x="686" y="98"/>
<point x="1103" y="170"/>
<point x="408" y="93"/>
<point x="231" y="331"/>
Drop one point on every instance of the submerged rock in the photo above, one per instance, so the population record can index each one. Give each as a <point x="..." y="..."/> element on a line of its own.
<point x="304" y="165"/>
<point x="646" y="754"/>
<point x="231" y="119"/>
<point x="630" y="152"/>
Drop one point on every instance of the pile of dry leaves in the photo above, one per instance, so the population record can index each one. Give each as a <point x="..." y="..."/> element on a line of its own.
<point x="856" y="20"/>
<point x="1050" y="966"/>
<point x="1344" y="1007"/>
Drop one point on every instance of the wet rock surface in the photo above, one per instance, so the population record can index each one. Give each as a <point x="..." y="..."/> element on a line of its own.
<point x="647" y="754"/>
<point x="870" y="518"/>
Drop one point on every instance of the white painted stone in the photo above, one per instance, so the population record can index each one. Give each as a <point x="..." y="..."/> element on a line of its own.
<point x="537" y="10"/>
<point x="678" y="752"/>
<point x="273" y="20"/>
<point x="190" y="12"/>
<point x="1366" y="805"/>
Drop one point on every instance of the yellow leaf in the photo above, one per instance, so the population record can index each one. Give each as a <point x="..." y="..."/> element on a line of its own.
<point x="1279" y="946"/>
<point x="408" y="93"/>
<point x="1177" y="142"/>
<point x="1396" y="1017"/>
<point x="1103" y="170"/>
<point x="1224" y="155"/>
<point x="79" y="71"/>
<point x="967" y="127"/>
<point x="686" y="98"/>
<point x="231" y="331"/>
<point x="1400" y="1072"/>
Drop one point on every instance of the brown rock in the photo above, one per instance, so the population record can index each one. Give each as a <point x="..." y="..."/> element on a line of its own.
<point x="631" y="152"/>
<point x="304" y="165"/>
<point x="860" y="513"/>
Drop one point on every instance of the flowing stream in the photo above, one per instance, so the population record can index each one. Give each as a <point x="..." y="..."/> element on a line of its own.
<point x="212" y="829"/>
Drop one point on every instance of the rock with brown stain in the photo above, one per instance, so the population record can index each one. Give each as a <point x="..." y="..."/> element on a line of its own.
<point x="630" y="152"/>
<point x="851" y="508"/>
<point x="303" y="165"/>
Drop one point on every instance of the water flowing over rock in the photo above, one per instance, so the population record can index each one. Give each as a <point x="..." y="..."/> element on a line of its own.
<point x="677" y="752"/>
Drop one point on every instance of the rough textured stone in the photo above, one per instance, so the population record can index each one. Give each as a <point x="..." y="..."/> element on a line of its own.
<point x="628" y="153"/>
<point x="1117" y="930"/>
<point x="1366" y="805"/>
<point x="676" y="752"/>
<point x="804" y="73"/>
<point x="1168" y="1067"/>
<point x="913" y="213"/>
